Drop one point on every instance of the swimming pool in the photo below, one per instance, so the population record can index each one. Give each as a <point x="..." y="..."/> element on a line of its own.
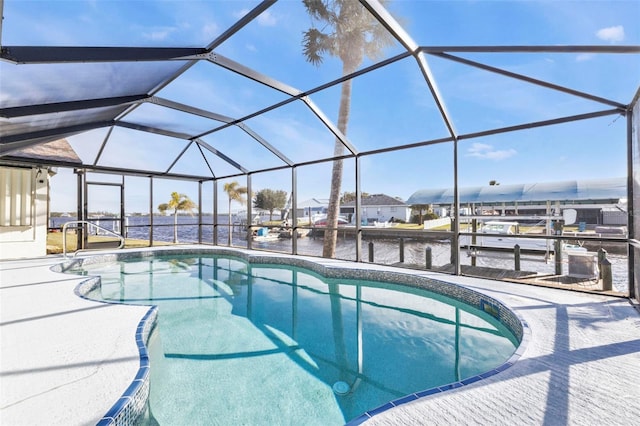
<point x="246" y="339"/>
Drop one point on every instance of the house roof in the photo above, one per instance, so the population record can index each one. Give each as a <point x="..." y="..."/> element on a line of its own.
<point x="572" y="190"/>
<point x="313" y="202"/>
<point x="377" y="200"/>
<point x="58" y="151"/>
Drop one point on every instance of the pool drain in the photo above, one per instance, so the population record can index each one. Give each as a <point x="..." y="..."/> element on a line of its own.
<point x="341" y="388"/>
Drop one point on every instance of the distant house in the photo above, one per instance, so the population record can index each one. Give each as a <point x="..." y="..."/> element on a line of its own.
<point x="311" y="207"/>
<point x="378" y="208"/>
<point x="24" y="197"/>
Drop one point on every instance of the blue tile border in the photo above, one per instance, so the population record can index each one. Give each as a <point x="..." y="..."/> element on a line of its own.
<point x="131" y="406"/>
<point x="359" y="420"/>
<point x="526" y="336"/>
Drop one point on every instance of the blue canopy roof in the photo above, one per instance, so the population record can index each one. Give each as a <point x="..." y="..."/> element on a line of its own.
<point x="573" y="190"/>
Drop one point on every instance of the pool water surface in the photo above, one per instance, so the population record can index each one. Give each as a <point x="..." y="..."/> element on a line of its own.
<point x="248" y="343"/>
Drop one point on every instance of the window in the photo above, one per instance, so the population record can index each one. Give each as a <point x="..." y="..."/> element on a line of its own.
<point x="16" y="196"/>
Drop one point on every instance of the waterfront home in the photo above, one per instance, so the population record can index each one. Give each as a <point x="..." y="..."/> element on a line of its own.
<point x="312" y="206"/>
<point x="378" y="208"/>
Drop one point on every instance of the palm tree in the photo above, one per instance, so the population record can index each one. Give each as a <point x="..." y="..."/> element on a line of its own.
<point x="351" y="33"/>
<point x="178" y="202"/>
<point x="420" y="208"/>
<point x="235" y="193"/>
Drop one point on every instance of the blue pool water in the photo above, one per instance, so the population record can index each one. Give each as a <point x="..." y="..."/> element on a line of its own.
<point x="244" y="343"/>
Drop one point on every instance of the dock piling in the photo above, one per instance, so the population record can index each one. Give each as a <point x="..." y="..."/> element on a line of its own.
<point x="607" y="277"/>
<point x="602" y="255"/>
<point x="604" y="270"/>
<point x="428" y="257"/>
<point x="474" y="229"/>
<point x="558" y="256"/>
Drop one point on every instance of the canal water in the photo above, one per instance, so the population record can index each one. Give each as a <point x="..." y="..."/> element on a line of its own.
<point x="384" y="251"/>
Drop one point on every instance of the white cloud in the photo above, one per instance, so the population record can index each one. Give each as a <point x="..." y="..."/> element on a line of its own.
<point x="210" y="30"/>
<point x="240" y="13"/>
<point x="484" y="151"/>
<point x="611" y="34"/>
<point x="159" y="34"/>
<point x="266" y="19"/>
<point x="582" y="57"/>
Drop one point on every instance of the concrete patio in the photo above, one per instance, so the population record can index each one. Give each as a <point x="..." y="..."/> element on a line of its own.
<point x="66" y="360"/>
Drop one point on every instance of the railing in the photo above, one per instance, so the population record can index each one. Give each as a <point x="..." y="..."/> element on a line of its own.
<point x="85" y="222"/>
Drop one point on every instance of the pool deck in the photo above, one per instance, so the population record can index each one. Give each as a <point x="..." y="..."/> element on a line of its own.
<point x="66" y="360"/>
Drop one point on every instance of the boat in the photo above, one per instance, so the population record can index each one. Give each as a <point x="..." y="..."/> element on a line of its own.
<point x="506" y="239"/>
<point x="286" y="233"/>
<point x="266" y="238"/>
<point x="265" y="234"/>
<point x="506" y="234"/>
<point x="321" y="220"/>
<point x="383" y="224"/>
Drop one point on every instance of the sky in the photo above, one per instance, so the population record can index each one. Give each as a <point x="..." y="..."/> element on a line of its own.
<point x="390" y="106"/>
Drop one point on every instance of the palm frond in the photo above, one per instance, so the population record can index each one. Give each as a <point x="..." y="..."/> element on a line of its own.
<point x="314" y="45"/>
<point x="235" y="191"/>
<point x="317" y="9"/>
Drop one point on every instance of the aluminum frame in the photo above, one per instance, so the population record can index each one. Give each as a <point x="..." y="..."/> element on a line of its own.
<point x="190" y="56"/>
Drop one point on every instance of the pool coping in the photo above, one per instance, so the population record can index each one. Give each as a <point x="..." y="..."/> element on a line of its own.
<point x="131" y="406"/>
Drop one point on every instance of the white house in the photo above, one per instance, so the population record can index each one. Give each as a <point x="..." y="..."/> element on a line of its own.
<point x="311" y="207"/>
<point x="378" y="208"/>
<point x="24" y="198"/>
